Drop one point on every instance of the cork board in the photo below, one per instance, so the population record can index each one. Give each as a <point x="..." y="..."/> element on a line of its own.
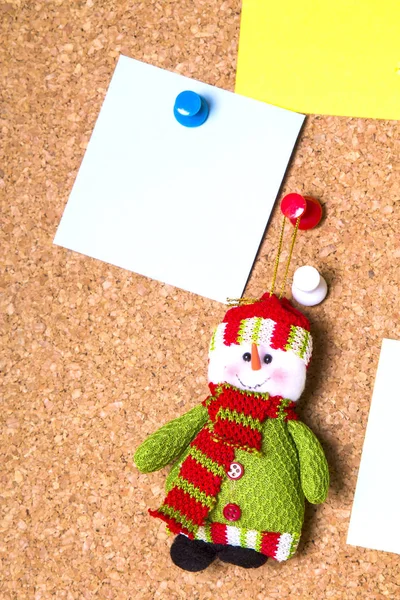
<point x="94" y="358"/>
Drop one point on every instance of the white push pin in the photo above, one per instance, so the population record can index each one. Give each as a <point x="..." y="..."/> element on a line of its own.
<point x="309" y="287"/>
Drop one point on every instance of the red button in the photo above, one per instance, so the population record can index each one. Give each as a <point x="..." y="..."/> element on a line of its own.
<point x="236" y="471"/>
<point x="232" y="512"/>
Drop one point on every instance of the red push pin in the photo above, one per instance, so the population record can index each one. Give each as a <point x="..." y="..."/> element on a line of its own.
<point x="307" y="208"/>
<point x="303" y="212"/>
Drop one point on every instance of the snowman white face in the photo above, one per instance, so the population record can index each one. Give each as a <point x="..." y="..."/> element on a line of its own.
<point x="280" y="374"/>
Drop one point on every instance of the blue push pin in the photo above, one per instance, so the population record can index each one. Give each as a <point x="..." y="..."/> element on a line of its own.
<point x="190" y="110"/>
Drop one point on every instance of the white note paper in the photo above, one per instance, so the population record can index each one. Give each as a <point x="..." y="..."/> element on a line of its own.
<point x="375" y="518"/>
<point x="187" y="207"/>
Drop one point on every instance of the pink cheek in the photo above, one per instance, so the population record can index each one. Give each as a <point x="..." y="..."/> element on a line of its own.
<point x="231" y="370"/>
<point x="279" y="376"/>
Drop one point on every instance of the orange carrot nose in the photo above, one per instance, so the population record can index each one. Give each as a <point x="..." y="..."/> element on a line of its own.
<point x="255" y="358"/>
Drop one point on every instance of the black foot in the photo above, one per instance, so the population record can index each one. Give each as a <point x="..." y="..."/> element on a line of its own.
<point x="191" y="555"/>
<point x="242" y="557"/>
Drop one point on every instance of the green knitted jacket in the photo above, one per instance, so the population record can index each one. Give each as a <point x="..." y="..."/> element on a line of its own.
<point x="271" y="493"/>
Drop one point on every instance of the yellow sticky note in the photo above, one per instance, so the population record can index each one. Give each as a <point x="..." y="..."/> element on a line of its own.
<point x="337" y="57"/>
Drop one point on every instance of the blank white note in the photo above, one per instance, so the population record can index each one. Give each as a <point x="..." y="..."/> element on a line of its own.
<point x="375" y="518"/>
<point x="187" y="207"/>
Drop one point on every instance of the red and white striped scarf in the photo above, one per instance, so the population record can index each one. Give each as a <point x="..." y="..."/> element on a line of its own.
<point x="235" y="422"/>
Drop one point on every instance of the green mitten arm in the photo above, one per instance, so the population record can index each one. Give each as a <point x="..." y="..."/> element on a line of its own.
<point x="167" y="443"/>
<point x="314" y="472"/>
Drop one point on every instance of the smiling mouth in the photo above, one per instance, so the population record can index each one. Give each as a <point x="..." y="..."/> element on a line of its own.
<point x="251" y="387"/>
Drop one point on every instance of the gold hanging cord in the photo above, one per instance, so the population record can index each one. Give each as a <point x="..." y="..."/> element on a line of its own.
<point x="294" y="234"/>
<point x="279" y="255"/>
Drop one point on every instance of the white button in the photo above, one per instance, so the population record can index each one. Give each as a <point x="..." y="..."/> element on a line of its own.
<point x="236" y="471"/>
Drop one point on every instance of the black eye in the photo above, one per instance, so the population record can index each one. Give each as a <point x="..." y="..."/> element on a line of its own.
<point x="267" y="359"/>
<point x="247" y="356"/>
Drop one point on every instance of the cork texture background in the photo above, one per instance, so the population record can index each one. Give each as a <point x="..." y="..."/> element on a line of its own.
<point x="95" y="358"/>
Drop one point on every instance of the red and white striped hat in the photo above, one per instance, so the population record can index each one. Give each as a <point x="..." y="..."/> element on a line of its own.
<point x="270" y="321"/>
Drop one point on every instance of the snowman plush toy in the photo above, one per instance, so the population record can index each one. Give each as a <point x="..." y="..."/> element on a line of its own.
<point x="243" y="462"/>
